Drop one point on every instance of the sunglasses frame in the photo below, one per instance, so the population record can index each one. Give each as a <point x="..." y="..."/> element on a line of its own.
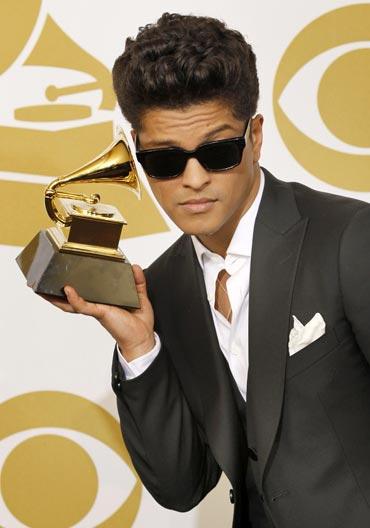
<point x="239" y="141"/>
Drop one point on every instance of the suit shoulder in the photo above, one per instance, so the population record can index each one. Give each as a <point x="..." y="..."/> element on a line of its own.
<point x="327" y="206"/>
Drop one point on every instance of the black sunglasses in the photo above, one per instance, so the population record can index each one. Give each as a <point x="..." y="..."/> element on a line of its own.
<point x="214" y="156"/>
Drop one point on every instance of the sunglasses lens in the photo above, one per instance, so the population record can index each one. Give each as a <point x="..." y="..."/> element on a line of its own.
<point x="162" y="164"/>
<point x="220" y="156"/>
<point x="215" y="156"/>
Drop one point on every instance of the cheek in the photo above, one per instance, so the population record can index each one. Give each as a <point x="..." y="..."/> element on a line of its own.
<point x="164" y="192"/>
<point x="235" y="186"/>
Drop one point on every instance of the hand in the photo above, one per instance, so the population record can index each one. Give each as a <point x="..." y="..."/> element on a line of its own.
<point x="133" y="330"/>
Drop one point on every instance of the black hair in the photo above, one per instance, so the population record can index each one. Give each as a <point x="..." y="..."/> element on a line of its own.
<point x="182" y="60"/>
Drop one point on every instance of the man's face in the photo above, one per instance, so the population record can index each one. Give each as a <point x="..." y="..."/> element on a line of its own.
<point x="198" y="201"/>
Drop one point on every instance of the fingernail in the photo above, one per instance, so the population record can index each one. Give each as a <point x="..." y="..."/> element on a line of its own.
<point x="67" y="290"/>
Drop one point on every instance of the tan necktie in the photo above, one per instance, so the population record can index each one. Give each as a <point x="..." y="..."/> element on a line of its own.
<point x="222" y="301"/>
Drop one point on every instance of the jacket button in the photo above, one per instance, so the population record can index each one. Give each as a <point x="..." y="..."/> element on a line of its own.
<point x="231" y="496"/>
<point x="252" y="453"/>
<point x="118" y="385"/>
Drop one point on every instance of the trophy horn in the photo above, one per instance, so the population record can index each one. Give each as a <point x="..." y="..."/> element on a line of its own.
<point x="115" y="165"/>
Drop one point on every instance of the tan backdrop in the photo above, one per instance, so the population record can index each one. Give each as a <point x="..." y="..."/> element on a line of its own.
<point x="62" y="461"/>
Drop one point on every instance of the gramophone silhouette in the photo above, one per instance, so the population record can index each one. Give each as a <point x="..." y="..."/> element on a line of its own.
<point x="51" y="136"/>
<point x="55" y="48"/>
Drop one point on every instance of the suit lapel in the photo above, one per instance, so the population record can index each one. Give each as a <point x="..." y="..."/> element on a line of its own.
<point x="277" y="241"/>
<point x="198" y="350"/>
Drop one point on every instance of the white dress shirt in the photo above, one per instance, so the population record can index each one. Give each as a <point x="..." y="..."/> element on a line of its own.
<point x="232" y="337"/>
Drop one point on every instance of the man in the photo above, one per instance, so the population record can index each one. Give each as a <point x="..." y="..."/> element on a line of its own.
<point x="259" y="363"/>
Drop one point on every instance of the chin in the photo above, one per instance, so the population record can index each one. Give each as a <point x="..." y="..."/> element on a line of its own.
<point x="198" y="224"/>
<point x="198" y="229"/>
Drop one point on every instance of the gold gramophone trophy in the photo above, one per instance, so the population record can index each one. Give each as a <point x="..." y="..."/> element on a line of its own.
<point x="90" y="259"/>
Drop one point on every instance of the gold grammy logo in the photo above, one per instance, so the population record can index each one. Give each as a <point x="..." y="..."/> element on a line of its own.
<point x="337" y="106"/>
<point x="55" y="135"/>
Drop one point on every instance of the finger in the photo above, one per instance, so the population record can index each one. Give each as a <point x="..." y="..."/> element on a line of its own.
<point x="81" y="306"/>
<point x="140" y="281"/>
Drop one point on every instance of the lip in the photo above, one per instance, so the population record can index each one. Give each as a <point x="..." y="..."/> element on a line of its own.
<point x="200" y="205"/>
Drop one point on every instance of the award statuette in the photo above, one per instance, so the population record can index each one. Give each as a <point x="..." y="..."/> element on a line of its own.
<point x="90" y="259"/>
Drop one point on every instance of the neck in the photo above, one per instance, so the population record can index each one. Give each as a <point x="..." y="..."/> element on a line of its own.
<point x="219" y="242"/>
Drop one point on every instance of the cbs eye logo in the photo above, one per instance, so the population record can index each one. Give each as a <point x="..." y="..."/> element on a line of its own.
<point x="63" y="463"/>
<point x="323" y="82"/>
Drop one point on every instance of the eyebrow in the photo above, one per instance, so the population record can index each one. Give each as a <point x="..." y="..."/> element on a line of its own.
<point x="172" y="143"/>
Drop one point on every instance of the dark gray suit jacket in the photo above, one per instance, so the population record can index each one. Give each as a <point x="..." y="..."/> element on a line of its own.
<point x="308" y="415"/>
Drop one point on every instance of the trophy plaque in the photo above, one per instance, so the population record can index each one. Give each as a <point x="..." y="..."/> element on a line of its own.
<point x="89" y="259"/>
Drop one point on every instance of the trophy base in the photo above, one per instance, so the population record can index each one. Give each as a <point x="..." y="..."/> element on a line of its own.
<point x="101" y="280"/>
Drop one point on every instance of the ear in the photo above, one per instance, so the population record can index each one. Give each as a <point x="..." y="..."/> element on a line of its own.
<point x="133" y="135"/>
<point x="257" y="136"/>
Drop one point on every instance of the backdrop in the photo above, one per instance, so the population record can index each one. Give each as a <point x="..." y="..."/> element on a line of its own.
<point x="62" y="460"/>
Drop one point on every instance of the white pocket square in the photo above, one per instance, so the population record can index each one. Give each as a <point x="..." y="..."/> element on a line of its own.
<point x="303" y="335"/>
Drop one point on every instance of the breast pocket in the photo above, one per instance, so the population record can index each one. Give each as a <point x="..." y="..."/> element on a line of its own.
<point x="312" y="353"/>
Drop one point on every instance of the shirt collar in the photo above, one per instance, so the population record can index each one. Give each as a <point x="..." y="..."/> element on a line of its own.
<point x="241" y="242"/>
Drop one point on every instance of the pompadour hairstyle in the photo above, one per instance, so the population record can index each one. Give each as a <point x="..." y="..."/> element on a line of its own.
<point x="182" y="60"/>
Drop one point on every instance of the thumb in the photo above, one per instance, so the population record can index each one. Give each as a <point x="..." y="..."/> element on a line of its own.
<point x="140" y="281"/>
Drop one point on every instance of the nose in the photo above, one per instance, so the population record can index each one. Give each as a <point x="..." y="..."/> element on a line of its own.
<point x="195" y="176"/>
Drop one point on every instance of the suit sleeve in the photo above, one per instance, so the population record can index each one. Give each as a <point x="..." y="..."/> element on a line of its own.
<point x="355" y="276"/>
<point x="166" y="445"/>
